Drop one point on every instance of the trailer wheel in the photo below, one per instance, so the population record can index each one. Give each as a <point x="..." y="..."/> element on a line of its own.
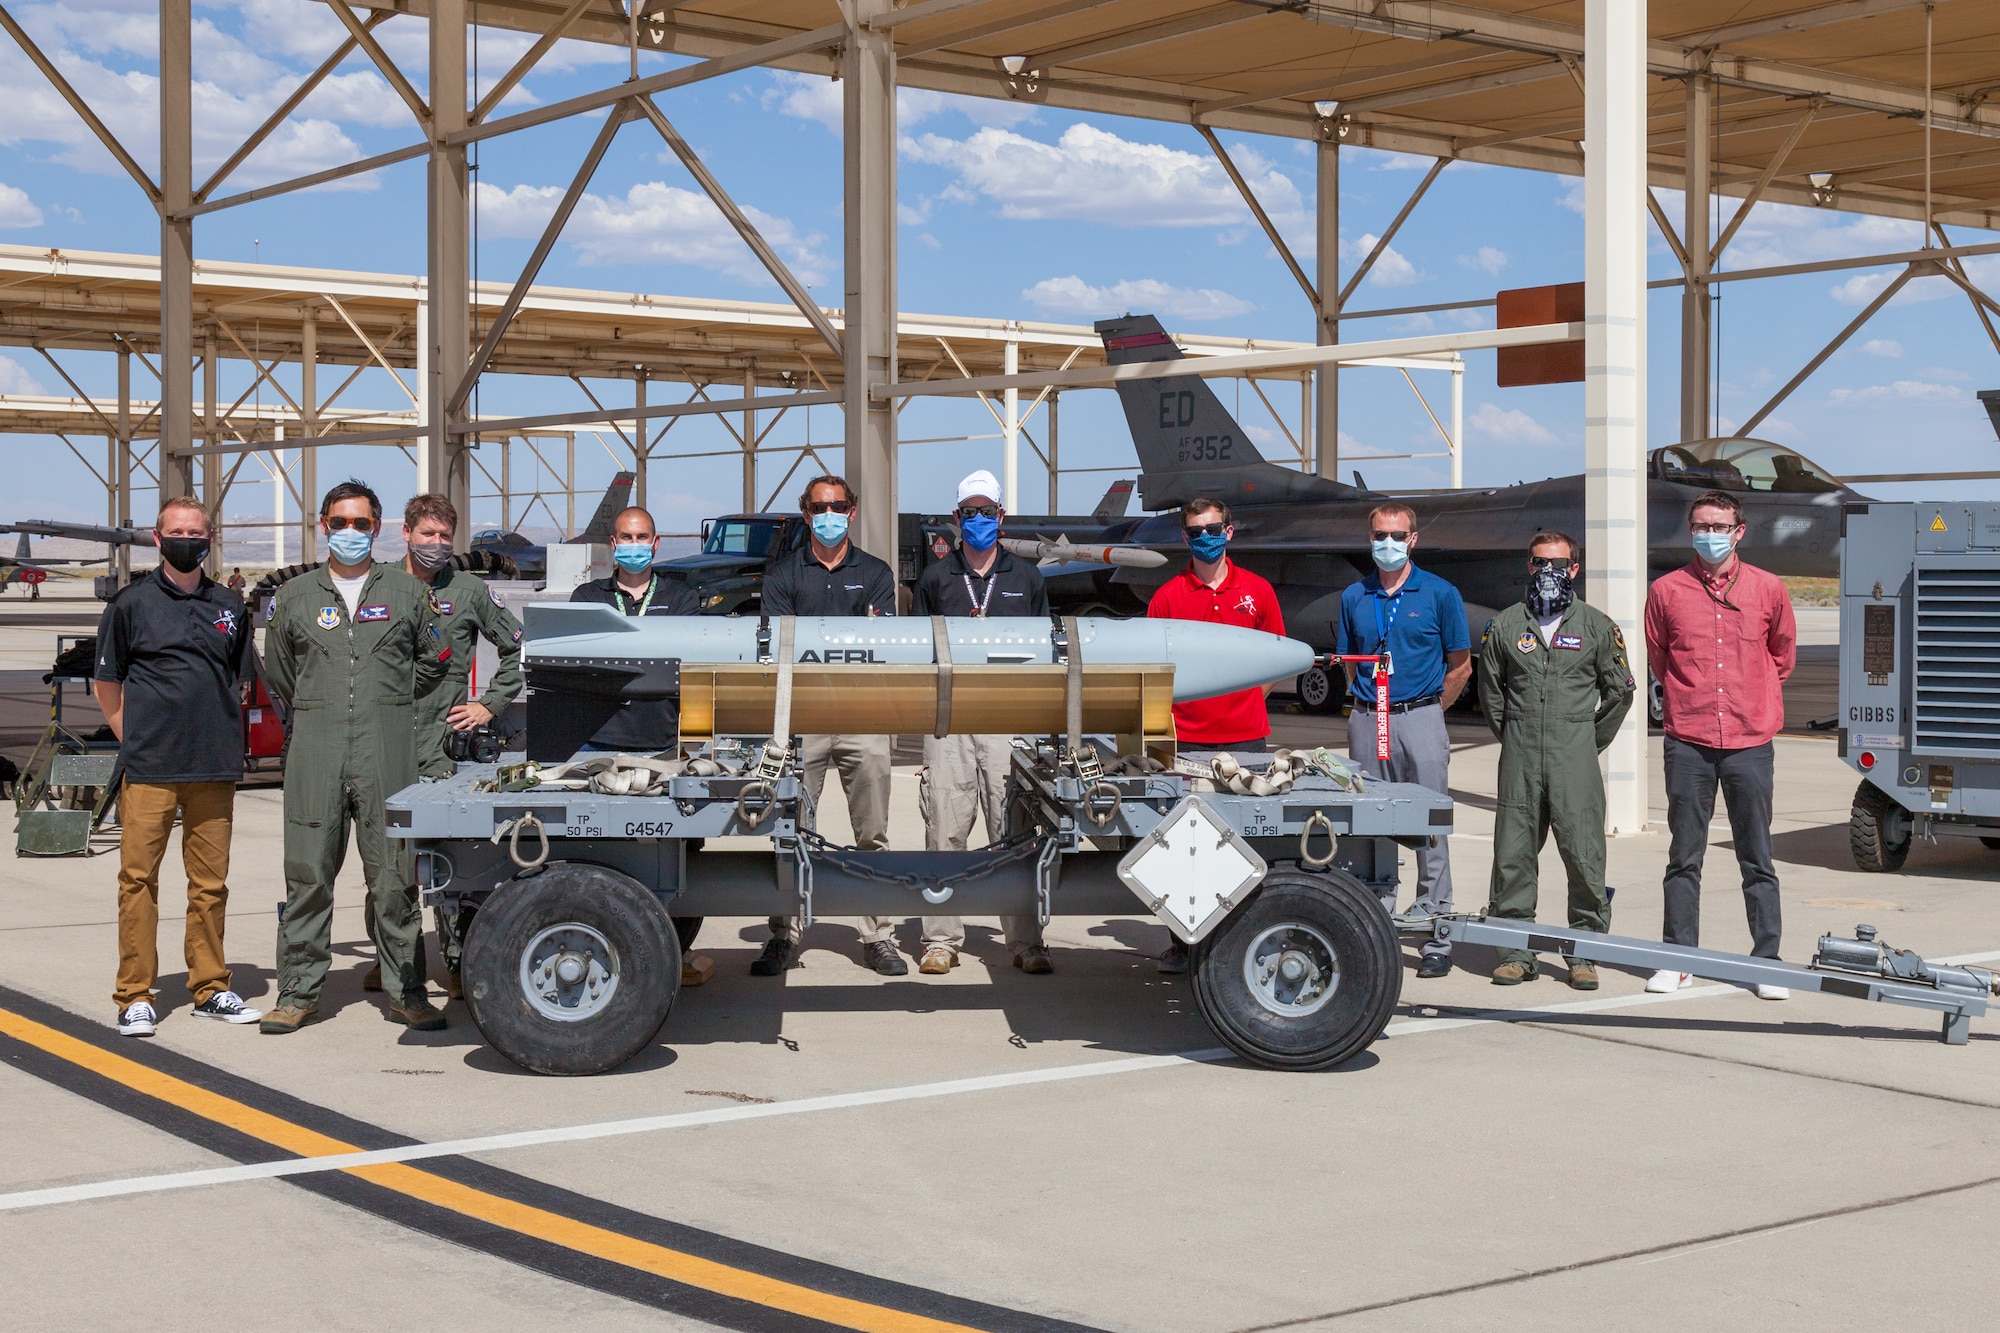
<point x="1303" y="976"/>
<point x="571" y="971"/>
<point x="1878" y="830"/>
<point x="1316" y="692"/>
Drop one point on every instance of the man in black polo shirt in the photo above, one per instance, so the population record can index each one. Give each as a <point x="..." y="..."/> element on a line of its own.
<point x="965" y="775"/>
<point x="831" y="576"/>
<point x="170" y="649"/>
<point x="645" y="726"/>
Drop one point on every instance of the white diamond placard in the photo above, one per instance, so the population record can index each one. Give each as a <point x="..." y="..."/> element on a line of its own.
<point x="1192" y="869"/>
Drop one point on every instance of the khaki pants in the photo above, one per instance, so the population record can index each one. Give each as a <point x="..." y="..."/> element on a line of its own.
<point x="863" y="762"/>
<point x="146" y="813"/>
<point x="964" y="777"/>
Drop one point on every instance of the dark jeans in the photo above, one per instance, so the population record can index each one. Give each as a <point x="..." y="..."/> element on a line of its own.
<point x="1693" y="774"/>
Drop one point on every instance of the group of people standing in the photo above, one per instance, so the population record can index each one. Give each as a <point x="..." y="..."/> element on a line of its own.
<point x="372" y="662"/>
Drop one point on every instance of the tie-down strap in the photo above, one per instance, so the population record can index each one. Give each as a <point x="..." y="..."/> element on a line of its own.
<point x="941" y="645"/>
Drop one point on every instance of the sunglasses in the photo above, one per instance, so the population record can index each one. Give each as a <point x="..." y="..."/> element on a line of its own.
<point x="336" y="523"/>
<point x="1385" y="536"/>
<point x="1550" y="561"/>
<point x="979" y="511"/>
<point x="1211" y="529"/>
<point x="830" y="507"/>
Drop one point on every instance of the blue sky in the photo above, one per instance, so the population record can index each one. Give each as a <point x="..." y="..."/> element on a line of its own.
<point x="1007" y="210"/>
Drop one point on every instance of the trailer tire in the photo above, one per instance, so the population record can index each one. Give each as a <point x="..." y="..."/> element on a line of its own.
<point x="1878" y="830"/>
<point x="619" y="945"/>
<point x="1316" y="691"/>
<point x="1309" y="920"/>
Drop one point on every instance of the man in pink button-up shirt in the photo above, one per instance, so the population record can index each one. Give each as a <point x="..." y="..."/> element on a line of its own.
<point x="1721" y="640"/>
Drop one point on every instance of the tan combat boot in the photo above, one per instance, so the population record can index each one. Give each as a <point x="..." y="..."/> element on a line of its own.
<point x="417" y="1015"/>
<point x="1513" y="974"/>
<point x="288" y="1017"/>
<point x="1582" y="975"/>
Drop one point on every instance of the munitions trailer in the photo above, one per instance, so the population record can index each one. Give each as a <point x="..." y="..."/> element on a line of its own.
<point x="1920" y="674"/>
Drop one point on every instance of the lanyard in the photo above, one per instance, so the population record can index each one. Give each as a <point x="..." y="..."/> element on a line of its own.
<point x="1381" y="630"/>
<point x="979" y="604"/>
<point x="1722" y="599"/>
<point x="652" y="586"/>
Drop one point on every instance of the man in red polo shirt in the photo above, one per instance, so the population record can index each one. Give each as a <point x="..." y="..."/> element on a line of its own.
<point x="1215" y="588"/>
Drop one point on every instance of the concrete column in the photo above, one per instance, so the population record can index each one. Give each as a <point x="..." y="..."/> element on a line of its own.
<point x="642" y="447"/>
<point x="1696" y="348"/>
<point x="1010" y="428"/>
<point x="445" y="467"/>
<point x="868" y="144"/>
<point x="211" y="464"/>
<point x="1326" y="328"/>
<point x="309" y="430"/>
<point x="1055" y="452"/>
<point x="1614" y="420"/>
<point x="176" y="468"/>
<point x="121" y="466"/>
<point x="749" y="440"/>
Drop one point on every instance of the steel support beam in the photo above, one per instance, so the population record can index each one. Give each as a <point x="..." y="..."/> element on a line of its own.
<point x="1055" y="452"/>
<point x="176" y="250"/>
<point x="529" y="59"/>
<point x="286" y="107"/>
<point x="1697" y="347"/>
<point x="868" y="145"/>
<point x="390" y="72"/>
<point x="309" y="430"/>
<point x="1010" y="429"/>
<point x="749" y="438"/>
<point x="1271" y="231"/>
<point x="642" y="439"/>
<point x="1381" y="245"/>
<point x="1326" y="326"/>
<point x="1839" y="340"/>
<point x="1614" y="412"/>
<point x="121" y="469"/>
<point x="211" y="466"/>
<point x="81" y="107"/>
<point x="442" y="462"/>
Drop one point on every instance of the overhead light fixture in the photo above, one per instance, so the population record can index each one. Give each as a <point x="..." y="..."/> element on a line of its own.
<point x="1326" y="109"/>
<point x="1822" y="187"/>
<point x="1022" y="83"/>
<point x="1014" y="64"/>
<point x="1332" y="125"/>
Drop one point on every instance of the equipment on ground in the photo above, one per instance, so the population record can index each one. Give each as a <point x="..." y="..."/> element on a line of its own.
<point x="1920" y="674"/>
<point x="529" y="559"/>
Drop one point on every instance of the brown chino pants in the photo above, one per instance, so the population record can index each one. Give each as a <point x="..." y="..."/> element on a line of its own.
<point x="146" y="813"/>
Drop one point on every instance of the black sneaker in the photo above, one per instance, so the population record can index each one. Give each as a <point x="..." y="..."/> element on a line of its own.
<point x="138" y="1020"/>
<point x="1434" y="965"/>
<point x="779" y="951"/>
<point x="227" y="1006"/>
<point x="881" y="956"/>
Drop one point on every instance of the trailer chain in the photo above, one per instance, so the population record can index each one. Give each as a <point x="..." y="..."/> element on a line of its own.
<point x="935" y="888"/>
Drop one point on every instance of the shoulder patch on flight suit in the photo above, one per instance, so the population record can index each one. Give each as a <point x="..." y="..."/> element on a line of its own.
<point x="1573" y="642"/>
<point x="496" y="599"/>
<point x="373" y="611"/>
<point x="329" y="617"/>
<point x="517" y="636"/>
<point x="1526" y="643"/>
<point x="1618" y="637"/>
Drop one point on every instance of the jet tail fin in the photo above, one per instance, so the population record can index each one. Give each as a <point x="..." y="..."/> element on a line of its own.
<point x="1115" y="502"/>
<point x="617" y="497"/>
<point x="21" y="551"/>
<point x="1188" y="444"/>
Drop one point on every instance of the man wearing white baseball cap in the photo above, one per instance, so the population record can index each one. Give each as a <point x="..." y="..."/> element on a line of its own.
<point x="965" y="775"/>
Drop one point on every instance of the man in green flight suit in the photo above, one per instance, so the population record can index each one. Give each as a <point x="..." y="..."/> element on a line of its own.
<point x="1555" y="685"/>
<point x="465" y="610"/>
<point x="350" y="646"/>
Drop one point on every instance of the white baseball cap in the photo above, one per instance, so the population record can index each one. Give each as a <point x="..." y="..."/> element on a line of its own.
<point x="981" y="482"/>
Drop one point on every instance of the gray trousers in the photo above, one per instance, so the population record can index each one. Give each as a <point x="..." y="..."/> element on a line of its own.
<point x="1745" y="776"/>
<point x="863" y="762"/>
<point x="963" y="777"/>
<point x="1419" y="752"/>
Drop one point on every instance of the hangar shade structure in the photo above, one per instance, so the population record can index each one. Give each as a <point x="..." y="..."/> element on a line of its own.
<point x="1878" y="106"/>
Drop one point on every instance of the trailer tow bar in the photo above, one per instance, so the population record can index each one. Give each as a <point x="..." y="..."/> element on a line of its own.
<point x="1860" y="968"/>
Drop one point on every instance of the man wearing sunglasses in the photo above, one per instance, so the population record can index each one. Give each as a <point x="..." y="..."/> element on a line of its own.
<point x="1420" y="619"/>
<point x="831" y="576"/>
<point x="1554" y="684"/>
<point x="1722" y="641"/>
<point x="966" y="775"/>
<point x="1217" y="589"/>
<point x="351" y="645"/>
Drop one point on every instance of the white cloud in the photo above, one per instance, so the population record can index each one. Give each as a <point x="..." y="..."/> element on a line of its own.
<point x="1902" y="391"/>
<point x="1509" y="425"/>
<point x="1093" y="175"/>
<point x="14" y="378"/>
<point x="1883" y="347"/>
<point x="1391" y="270"/>
<point x="814" y="97"/>
<point x="16" y="209"/>
<point x="653" y="223"/>
<point x="1488" y="259"/>
<point x="1073" y="296"/>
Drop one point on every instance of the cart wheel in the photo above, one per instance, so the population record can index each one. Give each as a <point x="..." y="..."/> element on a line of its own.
<point x="1316" y="692"/>
<point x="1878" y="830"/>
<point x="1303" y="976"/>
<point x="571" y="971"/>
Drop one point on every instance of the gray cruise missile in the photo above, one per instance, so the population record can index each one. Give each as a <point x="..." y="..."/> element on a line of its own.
<point x="1058" y="551"/>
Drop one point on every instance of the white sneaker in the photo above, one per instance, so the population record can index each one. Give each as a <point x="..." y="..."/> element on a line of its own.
<point x="1666" y="982"/>
<point x="138" y="1020"/>
<point x="227" y="1006"/>
<point x="1773" y="992"/>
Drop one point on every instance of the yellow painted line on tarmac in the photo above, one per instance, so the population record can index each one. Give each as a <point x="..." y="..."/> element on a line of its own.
<point x="537" y="1223"/>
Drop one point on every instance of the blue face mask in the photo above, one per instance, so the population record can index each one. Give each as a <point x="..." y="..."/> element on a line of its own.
<point x="633" y="557"/>
<point x="830" y="528"/>
<point x="1390" y="555"/>
<point x="979" y="531"/>
<point x="1714" y="547"/>
<point x="350" y="547"/>
<point x="1208" y="547"/>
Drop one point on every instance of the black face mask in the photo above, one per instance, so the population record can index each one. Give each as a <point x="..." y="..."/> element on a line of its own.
<point x="1550" y="591"/>
<point x="184" y="553"/>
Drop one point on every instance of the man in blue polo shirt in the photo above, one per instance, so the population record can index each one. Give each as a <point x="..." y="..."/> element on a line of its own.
<point x="1422" y="618"/>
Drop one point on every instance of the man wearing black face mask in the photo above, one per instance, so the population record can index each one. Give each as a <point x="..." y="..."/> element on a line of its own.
<point x="1554" y="685"/>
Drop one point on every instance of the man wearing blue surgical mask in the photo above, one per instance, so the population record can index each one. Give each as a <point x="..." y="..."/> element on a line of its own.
<point x="828" y="575"/>
<point x="1420" y="620"/>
